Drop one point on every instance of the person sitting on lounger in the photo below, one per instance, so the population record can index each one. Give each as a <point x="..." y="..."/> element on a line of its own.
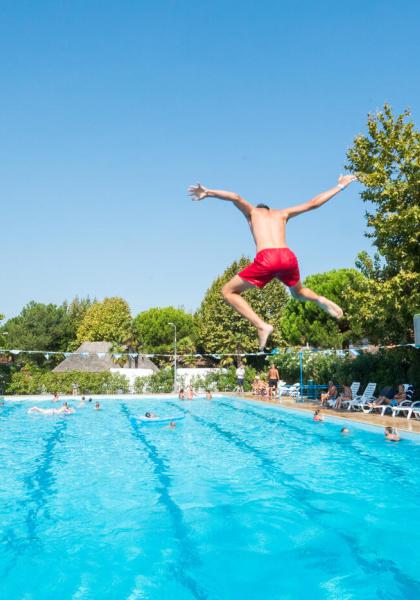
<point x="391" y="434"/>
<point x="345" y="396"/>
<point x="317" y="415"/>
<point x="386" y="396"/>
<point x="400" y="396"/>
<point x="330" y="395"/>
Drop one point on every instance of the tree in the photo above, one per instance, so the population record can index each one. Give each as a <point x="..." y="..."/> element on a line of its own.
<point x="76" y="311"/>
<point x="38" y="327"/>
<point x="221" y="329"/>
<point x="305" y="323"/>
<point x="109" y="321"/>
<point x="156" y="335"/>
<point x="387" y="161"/>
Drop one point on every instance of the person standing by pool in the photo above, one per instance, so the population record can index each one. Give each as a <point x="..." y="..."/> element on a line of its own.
<point x="274" y="259"/>
<point x="273" y="379"/>
<point x="240" y="376"/>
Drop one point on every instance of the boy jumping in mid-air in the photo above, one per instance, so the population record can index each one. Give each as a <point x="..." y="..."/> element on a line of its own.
<point x="274" y="258"/>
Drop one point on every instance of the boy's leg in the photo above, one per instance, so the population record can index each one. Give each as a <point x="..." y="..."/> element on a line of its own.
<point x="305" y="294"/>
<point x="232" y="291"/>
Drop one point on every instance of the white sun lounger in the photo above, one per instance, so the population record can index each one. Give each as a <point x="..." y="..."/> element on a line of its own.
<point x="360" y="402"/>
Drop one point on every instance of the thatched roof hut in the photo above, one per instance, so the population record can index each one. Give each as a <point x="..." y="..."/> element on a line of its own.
<point x="95" y="357"/>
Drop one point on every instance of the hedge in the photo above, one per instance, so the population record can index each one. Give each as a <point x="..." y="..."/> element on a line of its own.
<point x="38" y="382"/>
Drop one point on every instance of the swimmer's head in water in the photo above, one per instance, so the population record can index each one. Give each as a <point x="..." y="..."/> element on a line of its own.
<point x="389" y="430"/>
<point x="263" y="206"/>
<point x="148" y="415"/>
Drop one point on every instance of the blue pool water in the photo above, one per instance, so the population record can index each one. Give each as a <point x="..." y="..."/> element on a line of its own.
<point x="239" y="501"/>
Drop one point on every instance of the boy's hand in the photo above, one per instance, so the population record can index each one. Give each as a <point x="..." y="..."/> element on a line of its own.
<point x="197" y="192"/>
<point x="345" y="180"/>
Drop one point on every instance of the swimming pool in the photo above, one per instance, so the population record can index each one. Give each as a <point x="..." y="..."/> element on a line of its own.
<point x="239" y="501"/>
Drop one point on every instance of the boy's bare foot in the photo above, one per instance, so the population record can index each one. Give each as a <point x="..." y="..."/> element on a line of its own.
<point x="330" y="307"/>
<point x="263" y="335"/>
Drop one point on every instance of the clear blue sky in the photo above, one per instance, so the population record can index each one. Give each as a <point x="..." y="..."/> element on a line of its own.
<point x="110" y="109"/>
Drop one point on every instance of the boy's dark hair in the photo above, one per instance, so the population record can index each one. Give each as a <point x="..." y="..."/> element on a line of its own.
<point x="263" y="206"/>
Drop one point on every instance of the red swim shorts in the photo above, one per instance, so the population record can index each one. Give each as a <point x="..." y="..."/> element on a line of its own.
<point x="270" y="263"/>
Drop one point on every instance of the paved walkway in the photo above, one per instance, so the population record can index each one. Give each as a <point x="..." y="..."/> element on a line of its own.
<point x="401" y="423"/>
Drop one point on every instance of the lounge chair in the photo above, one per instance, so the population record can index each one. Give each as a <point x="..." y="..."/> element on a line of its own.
<point x="360" y="402"/>
<point x="415" y="410"/>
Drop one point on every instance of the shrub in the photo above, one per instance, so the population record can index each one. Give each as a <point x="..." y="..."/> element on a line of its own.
<point x="159" y="383"/>
<point x="37" y="382"/>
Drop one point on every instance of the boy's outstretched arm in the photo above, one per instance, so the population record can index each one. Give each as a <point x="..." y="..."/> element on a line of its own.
<point x="199" y="192"/>
<point x="320" y="199"/>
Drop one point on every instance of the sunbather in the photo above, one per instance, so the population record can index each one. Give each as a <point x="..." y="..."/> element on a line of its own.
<point x="400" y="396"/>
<point x="345" y="396"/>
<point x="331" y="394"/>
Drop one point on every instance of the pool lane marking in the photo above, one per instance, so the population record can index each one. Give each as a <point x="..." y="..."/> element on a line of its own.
<point x="39" y="485"/>
<point x="395" y="470"/>
<point x="302" y="494"/>
<point x="188" y="552"/>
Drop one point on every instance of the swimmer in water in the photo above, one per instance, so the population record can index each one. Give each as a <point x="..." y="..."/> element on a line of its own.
<point x="344" y="430"/>
<point x="317" y="415"/>
<point x="55" y="397"/>
<point x="208" y="395"/>
<point x="63" y="410"/>
<point x="171" y="425"/>
<point x="150" y="415"/>
<point x="391" y="434"/>
<point x="98" y="406"/>
<point x="181" y="394"/>
<point x="190" y="393"/>
<point x="274" y="258"/>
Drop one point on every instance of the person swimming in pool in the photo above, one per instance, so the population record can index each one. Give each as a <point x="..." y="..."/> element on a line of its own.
<point x="65" y="409"/>
<point x="150" y="415"/>
<point x="274" y="259"/>
<point x="391" y="434"/>
<point x="317" y="415"/>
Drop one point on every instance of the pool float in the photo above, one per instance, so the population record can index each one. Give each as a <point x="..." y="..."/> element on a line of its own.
<point x="160" y="419"/>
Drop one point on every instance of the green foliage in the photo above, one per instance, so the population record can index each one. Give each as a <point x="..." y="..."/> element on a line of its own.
<point x="35" y="381"/>
<point x="109" y="321"/>
<point x="304" y="323"/>
<point x="156" y="335"/>
<point x="387" y="162"/>
<point x="159" y="383"/>
<point x="76" y="312"/>
<point x="317" y="366"/>
<point x="226" y="381"/>
<point x="221" y="329"/>
<point x="386" y="367"/>
<point x="39" y="327"/>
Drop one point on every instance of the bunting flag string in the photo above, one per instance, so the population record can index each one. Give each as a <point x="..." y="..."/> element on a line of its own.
<point x="355" y="351"/>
